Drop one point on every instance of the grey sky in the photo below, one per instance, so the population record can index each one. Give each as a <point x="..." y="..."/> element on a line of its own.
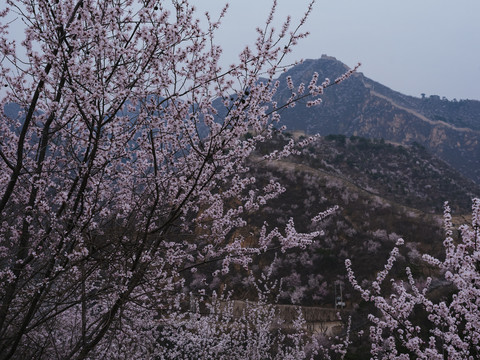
<point x="412" y="46"/>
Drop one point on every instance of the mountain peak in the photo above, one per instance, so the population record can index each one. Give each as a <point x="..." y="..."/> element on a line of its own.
<point x="362" y="107"/>
<point x="326" y="67"/>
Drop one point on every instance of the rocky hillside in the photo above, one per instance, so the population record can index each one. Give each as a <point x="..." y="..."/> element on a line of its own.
<point x="408" y="175"/>
<point x="384" y="191"/>
<point x="362" y="107"/>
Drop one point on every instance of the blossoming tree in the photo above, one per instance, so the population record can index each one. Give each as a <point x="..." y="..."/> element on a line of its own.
<point x="451" y="326"/>
<point x="117" y="172"/>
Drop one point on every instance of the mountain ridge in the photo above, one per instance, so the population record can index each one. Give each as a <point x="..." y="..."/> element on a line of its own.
<point x="420" y="116"/>
<point x="362" y="107"/>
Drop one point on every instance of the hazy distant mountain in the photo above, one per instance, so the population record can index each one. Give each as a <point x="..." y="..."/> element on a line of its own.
<point x="362" y="107"/>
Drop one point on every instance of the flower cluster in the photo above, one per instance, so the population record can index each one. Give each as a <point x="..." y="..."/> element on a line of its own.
<point x="218" y="327"/>
<point x="451" y="328"/>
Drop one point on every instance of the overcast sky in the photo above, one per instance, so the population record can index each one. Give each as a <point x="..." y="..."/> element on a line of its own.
<point x="412" y="46"/>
